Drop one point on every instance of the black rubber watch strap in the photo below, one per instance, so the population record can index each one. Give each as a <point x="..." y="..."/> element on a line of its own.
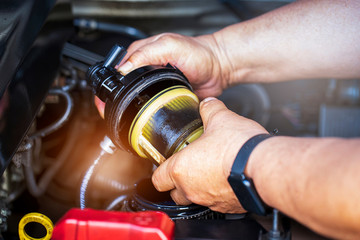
<point x="243" y="186"/>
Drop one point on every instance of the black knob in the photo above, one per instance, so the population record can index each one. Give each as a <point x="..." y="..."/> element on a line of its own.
<point x="114" y="57"/>
<point x="104" y="79"/>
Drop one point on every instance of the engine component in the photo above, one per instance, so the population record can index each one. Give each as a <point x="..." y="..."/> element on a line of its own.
<point x="151" y="111"/>
<point x="107" y="148"/>
<point x="147" y="198"/>
<point x="275" y="233"/>
<point x="339" y="121"/>
<point x="35" y="218"/>
<point x="248" y="100"/>
<point x="339" y="116"/>
<point x="92" y="25"/>
<point x="64" y="118"/>
<point x="94" y="224"/>
<point x="62" y="157"/>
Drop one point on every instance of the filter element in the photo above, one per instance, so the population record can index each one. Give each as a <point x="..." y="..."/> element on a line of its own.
<point x="168" y="122"/>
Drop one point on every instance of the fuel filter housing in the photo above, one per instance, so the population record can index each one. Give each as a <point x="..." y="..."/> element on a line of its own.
<point x="152" y="111"/>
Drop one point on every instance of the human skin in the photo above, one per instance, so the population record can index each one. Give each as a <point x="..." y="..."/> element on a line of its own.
<point x="314" y="181"/>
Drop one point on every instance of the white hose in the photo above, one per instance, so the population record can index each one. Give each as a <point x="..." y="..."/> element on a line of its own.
<point x="108" y="147"/>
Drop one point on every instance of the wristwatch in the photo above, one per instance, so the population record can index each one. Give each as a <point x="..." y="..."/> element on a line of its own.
<point x="242" y="185"/>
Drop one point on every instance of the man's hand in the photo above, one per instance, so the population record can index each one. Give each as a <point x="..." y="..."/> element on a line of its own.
<point x="197" y="57"/>
<point x="198" y="174"/>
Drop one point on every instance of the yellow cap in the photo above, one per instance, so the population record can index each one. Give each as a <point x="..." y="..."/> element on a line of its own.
<point x="37" y="218"/>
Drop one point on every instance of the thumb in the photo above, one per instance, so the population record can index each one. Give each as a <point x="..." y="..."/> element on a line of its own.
<point x="208" y="107"/>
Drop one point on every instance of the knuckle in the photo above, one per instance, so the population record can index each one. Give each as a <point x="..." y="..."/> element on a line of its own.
<point x="175" y="167"/>
<point x="140" y="57"/>
<point x="134" y="45"/>
<point x="217" y="208"/>
<point x="180" y="199"/>
<point x="176" y="170"/>
<point x="218" y="117"/>
<point x="155" y="181"/>
<point x="174" y="196"/>
<point x="138" y="53"/>
<point x="169" y="38"/>
<point x="193" y="198"/>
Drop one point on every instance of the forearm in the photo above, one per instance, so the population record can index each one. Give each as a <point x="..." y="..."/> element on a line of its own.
<point x="303" y="40"/>
<point x="315" y="181"/>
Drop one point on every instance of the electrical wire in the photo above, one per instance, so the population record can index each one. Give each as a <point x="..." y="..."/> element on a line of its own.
<point x="62" y="120"/>
<point x="38" y="189"/>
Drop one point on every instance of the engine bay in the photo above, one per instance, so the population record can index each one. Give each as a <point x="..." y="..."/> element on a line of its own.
<point x="51" y="132"/>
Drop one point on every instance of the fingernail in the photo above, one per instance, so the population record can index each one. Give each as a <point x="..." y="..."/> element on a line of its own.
<point x="208" y="99"/>
<point x="125" y="68"/>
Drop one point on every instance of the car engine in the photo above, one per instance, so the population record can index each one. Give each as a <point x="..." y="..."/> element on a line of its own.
<point x="51" y="135"/>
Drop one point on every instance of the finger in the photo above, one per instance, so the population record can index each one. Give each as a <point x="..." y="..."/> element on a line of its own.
<point x="161" y="178"/>
<point x="179" y="198"/>
<point x="147" y="55"/>
<point x="100" y="105"/>
<point x="158" y="50"/>
<point x="130" y="50"/>
<point x="140" y="43"/>
<point x="208" y="107"/>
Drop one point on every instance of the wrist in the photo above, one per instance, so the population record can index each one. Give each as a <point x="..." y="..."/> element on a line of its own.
<point x="243" y="185"/>
<point x="234" y="146"/>
<point x="251" y="58"/>
<point x="225" y="63"/>
<point x="236" y="54"/>
<point x="258" y="159"/>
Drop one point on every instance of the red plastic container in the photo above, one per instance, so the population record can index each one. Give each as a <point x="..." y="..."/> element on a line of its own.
<point x="92" y="224"/>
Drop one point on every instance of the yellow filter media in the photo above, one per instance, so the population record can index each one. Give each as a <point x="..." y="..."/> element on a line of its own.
<point x="166" y="123"/>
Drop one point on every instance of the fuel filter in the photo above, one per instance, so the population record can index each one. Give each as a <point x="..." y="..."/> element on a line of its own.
<point x="152" y="111"/>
